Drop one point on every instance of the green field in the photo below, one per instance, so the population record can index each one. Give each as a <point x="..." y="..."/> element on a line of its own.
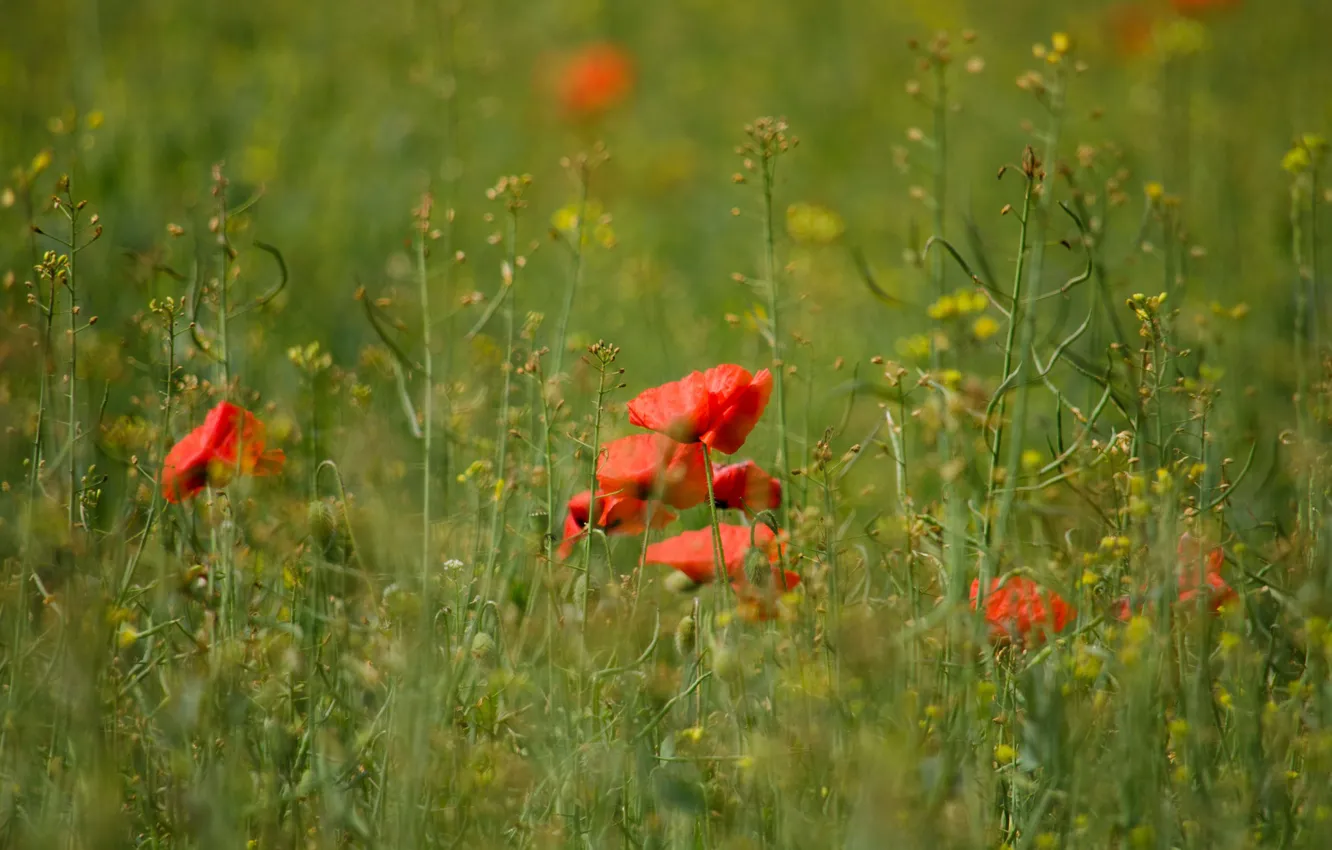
<point x="1040" y="292"/>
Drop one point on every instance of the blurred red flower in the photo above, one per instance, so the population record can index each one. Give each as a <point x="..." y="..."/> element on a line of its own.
<point x="618" y="515"/>
<point x="650" y="466"/>
<point x="594" y="79"/>
<point x="1018" y="607"/>
<point x="1130" y="25"/>
<point x="745" y="486"/>
<point x="718" y="407"/>
<point x="230" y="440"/>
<point x="692" y="554"/>
<point x="1188" y="550"/>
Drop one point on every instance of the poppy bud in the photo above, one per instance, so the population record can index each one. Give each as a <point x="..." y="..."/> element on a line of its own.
<point x="482" y="646"/>
<point x="678" y="582"/>
<point x="758" y="569"/>
<point x="724" y="661"/>
<point x="323" y="524"/>
<point x="685" y="636"/>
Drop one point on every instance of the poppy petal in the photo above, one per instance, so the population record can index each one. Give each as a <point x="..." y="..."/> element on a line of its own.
<point x="745" y="486"/>
<point x="680" y="409"/>
<point x="643" y="466"/>
<point x="692" y="551"/>
<point x="229" y="438"/>
<point x="1018" y="607"/>
<point x="740" y="415"/>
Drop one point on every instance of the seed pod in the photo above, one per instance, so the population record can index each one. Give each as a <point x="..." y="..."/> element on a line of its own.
<point x="323" y="524"/>
<point x="678" y="582"/>
<point x="686" y="637"/>
<point x="482" y="646"/>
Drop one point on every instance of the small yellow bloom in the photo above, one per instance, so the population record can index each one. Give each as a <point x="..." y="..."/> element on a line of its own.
<point x="945" y="308"/>
<point x="1004" y="754"/>
<point x="1061" y="42"/>
<point x="812" y="224"/>
<point x="984" y="327"/>
<point x="1155" y="192"/>
<point x="916" y="347"/>
<point x="40" y="163"/>
<point x="1297" y="160"/>
<point x="126" y="636"/>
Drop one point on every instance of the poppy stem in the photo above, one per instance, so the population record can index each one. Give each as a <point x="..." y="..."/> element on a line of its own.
<point x="720" y="573"/>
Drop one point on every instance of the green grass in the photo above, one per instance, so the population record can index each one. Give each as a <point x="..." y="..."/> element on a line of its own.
<point x="1056" y="374"/>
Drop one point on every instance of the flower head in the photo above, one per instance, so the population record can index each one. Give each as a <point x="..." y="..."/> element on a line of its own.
<point x="745" y="486"/>
<point x="650" y="466"/>
<point x="718" y="407"/>
<point x="692" y="554"/>
<point x="617" y="515"/>
<point x="594" y="79"/>
<point x="230" y="440"/>
<point x="1130" y="27"/>
<point x="1018" y="610"/>
<point x="1188" y="551"/>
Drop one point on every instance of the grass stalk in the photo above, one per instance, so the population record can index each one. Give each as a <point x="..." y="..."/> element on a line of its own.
<point x="428" y="394"/>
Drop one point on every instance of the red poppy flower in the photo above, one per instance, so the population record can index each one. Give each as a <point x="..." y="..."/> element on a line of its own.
<point x="595" y="79"/>
<point x="1018" y="607"/>
<point x="1219" y="592"/>
<point x="1131" y="27"/>
<point x="745" y="486"/>
<point x="650" y="466"/>
<point x="718" y="407"/>
<point x="619" y="515"/>
<point x="692" y="554"/>
<point x="230" y="440"/>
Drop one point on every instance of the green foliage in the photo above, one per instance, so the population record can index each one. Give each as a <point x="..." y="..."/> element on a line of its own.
<point x="1104" y="376"/>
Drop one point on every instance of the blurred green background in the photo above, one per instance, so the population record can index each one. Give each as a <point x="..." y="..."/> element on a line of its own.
<point x="344" y="112"/>
<point x="341" y="114"/>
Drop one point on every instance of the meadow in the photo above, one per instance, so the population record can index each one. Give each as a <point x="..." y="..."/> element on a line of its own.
<point x="386" y="386"/>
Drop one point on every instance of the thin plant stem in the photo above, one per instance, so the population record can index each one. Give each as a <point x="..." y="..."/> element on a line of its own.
<point x="502" y="440"/>
<point x="1031" y="293"/>
<point x="576" y="274"/>
<point x="720" y="575"/>
<point x="427" y="399"/>
<point x="600" y="354"/>
<point x="779" y="368"/>
<point x="1010" y="347"/>
<point x="73" y="427"/>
